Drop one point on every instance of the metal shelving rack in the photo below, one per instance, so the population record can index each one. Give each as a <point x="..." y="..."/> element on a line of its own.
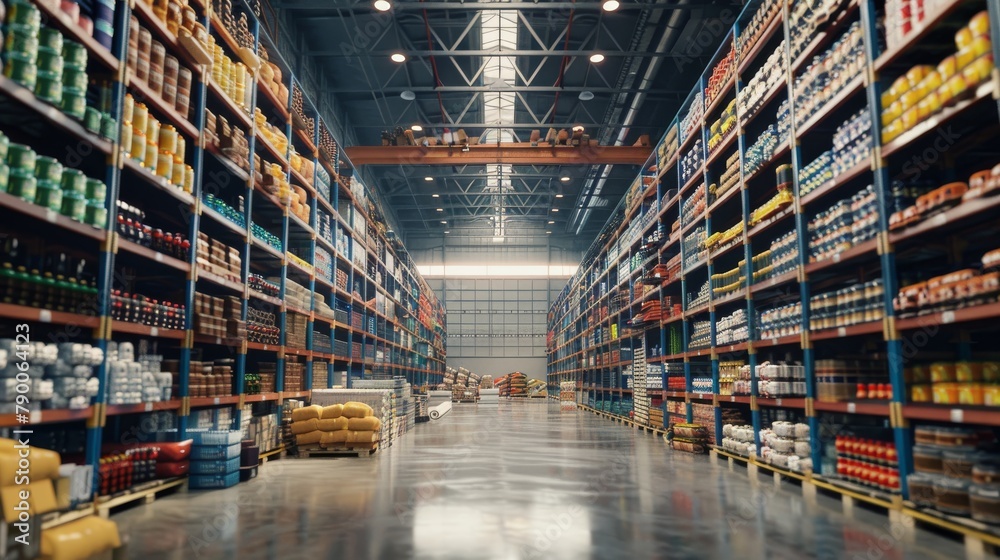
<point x="568" y="329"/>
<point x="421" y="362"/>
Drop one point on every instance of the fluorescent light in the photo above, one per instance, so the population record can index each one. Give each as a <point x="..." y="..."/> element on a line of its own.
<point x="416" y="128"/>
<point x="552" y="221"/>
<point x="559" y="195"/>
<point x="435" y="195"/>
<point x="498" y="239"/>
<point x="607" y="6"/>
<point x="400" y="57"/>
<point x="555" y="209"/>
<point x="444" y="221"/>
<point x="564" y="178"/>
<point x="385" y="5"/>
<point x="440" y="209"/>
<point x="548" y="232"/>
<point x="447" y="231"/>
<point x="596" y="58"/>
<point x="586" y="95"/>
<point x="428" y="178"/>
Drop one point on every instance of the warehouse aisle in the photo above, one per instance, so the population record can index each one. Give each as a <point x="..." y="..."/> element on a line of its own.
<point x="519" y="482"/>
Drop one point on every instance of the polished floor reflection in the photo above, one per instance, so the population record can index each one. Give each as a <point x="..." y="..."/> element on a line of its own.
<point x="515" y="482"/>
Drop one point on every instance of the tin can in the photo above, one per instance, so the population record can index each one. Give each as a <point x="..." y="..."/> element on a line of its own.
<point x="74" y="102"/>
<point x="21" y="39"/>
<point x="165" y="165"/>
<point x="151" y="155"/>
<point x="140" y="117"/>
<point x="152" y="130"/>
<point x="109" y="127"/>
<point x="48" y="169"/>
<point x="50" y="38"/>
<point x="74" y="206"/>
<point x="168" y="139"/>
<point x="92" y="120"/>
<point x="138" y="150"/>
<point x="96" y="190"/>
<point x="20" y="156"/>
<point x="21" y="69"/>
<point x="22" y="183"/>
<point x="49" y="88"/>
<point x="96" y="214"/>
<point x="74" y="78"/>
<point x="48" y="195"/>
<point x="73" y="180"/>
<point x="74" y="55"/>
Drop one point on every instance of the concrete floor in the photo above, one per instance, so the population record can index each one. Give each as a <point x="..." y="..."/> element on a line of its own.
<point x="518" y="482"/>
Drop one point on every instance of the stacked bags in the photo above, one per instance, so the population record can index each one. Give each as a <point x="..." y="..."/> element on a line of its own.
<point x="76" y="540"/>
<point x="351" y="424"/>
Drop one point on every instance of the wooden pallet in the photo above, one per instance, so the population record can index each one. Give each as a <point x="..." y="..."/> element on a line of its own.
<point x="147" y="492"/>
<point x="272" y="455"/>
<point x="359" y="451"/>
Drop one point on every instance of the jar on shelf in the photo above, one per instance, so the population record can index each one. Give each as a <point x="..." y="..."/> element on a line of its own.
<point x="151" y="156"/>
<point x="174" y="18"/>
<point x="138" y="150"/>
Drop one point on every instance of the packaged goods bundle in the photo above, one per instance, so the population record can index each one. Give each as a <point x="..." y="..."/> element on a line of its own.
<point x="690" y="438"/>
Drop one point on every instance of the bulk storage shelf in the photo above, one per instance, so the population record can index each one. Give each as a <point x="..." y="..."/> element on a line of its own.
<point x="877" y="258"/>
<point x="108" y="249"/>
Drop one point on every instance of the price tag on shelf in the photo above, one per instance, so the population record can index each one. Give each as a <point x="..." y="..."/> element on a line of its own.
<point x="148" y="407"/>
<point x="35" y="416"/>
<point x="777" y="402"/>
<point x="265" y="347"/>
<point x="732" y="399"/>
<point x="956" y="415"/>
<point x="948" y="317"/>
<point x="841" y="331"/>
<point x="51" y="216"/>
<point x="215" y="400"/>
<point x="701" y="395"/>
<point x="44" y="316"/>
<point x="218" y="341"/>
<point x="851" y="408"/>
<point x="774" y="341"/>
<point x="153" y="331"/>
<point x="158" y="257"/>
<point x="836" y="257"/>
<point x="939" y="220"/>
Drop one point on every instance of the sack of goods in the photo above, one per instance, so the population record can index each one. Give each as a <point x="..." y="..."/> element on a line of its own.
<point x="337" y="426"/>
<point x="690" y="438"/>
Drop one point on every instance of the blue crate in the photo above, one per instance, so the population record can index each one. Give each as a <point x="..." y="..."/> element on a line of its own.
<point x="215" y="452"/>
<point x="215" y="467"/>
<point x="214" y="437"/>
<point x="213" y="481"/>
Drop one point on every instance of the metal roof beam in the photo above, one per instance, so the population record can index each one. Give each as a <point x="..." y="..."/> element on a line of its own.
<point x="340" y="53"/>
<point x="516" y="154"/>
<point x="470" y="5"/>
<point x="510" y="89"/>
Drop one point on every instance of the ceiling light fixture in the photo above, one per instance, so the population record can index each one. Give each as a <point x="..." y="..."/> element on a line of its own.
<point x="385" y="5"/>
<point x="407" y="95"/>
<point x="564" y="178"/>
<point x="607" y="6"/>
<point x="559" y="195"/>
<point x="578" y="128"/>
<point x="417" y="128"/>
<point x="444" y="221"/>
<point x="552" y="221"/>
<point x="435" y="195"/>
<point x="428" y="178"/>
<point x="548" y="232"/>
<point x="555" y="209"/>
<point x="596" y="58"/>
<point x="440" y="209"/>
<point x="586" y="95"/>
<point x="400" y="57"/>
<point x="446" y="231"/>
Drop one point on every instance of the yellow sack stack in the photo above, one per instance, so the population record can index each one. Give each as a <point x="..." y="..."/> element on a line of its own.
<point x="27" y="490"/>
<point x="305" y="425"/>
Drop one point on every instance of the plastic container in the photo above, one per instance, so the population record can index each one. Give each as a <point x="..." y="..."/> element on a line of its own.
<point x="957" y="437"/>
<point x="927" y="459"/>
<point x="4" y="176"/>
<point x="74" y="206"/>
<point x="92" y="120"/>
<point x="986" y="472"/>
<point x="214" y="437"/>
<point x="96" y="189"/>
<point x="958" y="463"/>
<point x="22" y="183"/>
<point x="24" y="13"/>
<point x="49" y="88"/>
<point x="48" y="169"/>
<point x="74" y="78"/>
<point x="74" y="102"/>
<point x="48" y="194"/>
<point x="50" y="38"/>
<point x="21" y="69"/>
<point x="20" y="156"/>
<point x="213" y="481"/>
<point x="21" y="40"/>
<point x="215" y="466"/>
<point x="922" y="489"/>
<point x="984" y="502"/>
<point x="4" y="147"/>
<point x="96" y="214"/>
<point x="73" y="180"/>
<point x="951" y="495"/>
<point x="74" y="56"/>
<point x="50" y="62"/>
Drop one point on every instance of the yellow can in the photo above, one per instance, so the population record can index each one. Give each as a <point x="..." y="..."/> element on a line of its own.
<point x="152" y="130"/>
<point x="152" y="154"/>
<point x="138" y="150"/>
<point x="168" y="139"/>
<point x="140" y="117"/>
<point x="177" y="172"/>
<point x="165" y="165"/>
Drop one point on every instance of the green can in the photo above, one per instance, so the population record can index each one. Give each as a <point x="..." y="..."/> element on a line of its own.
<point x="74" y="206"/>
<point x="20" y="156"/>
<point x="21" y="68"/>
<point x="22" y="183"/>
<point x="96" y="213"/>
<point x="50" y="38"/>
<point x="4" y="177"/>
<point x="74" y="77"/>
<point x="109" y="127"/>
<point x="21" y="39"/>
<point x="49" y="88"/>
<point x="96" y="190"/>
<point x="48" y="169"/>
<point x="74" y="55"/>
<point x="73" y="180"/>
<point x="50" y="60"/>
<point x="49" y="195"/>
<point x="74" y="102"/>
<point x="23" y="12"/>
<point x="4" y="145"/>
<point x="92" y="120"/>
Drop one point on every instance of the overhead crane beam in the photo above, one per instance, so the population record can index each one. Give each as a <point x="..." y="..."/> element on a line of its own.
<point x="512" y="154"/>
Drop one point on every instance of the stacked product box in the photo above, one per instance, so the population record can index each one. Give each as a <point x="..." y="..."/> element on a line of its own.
<point x="215" y="459"/>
